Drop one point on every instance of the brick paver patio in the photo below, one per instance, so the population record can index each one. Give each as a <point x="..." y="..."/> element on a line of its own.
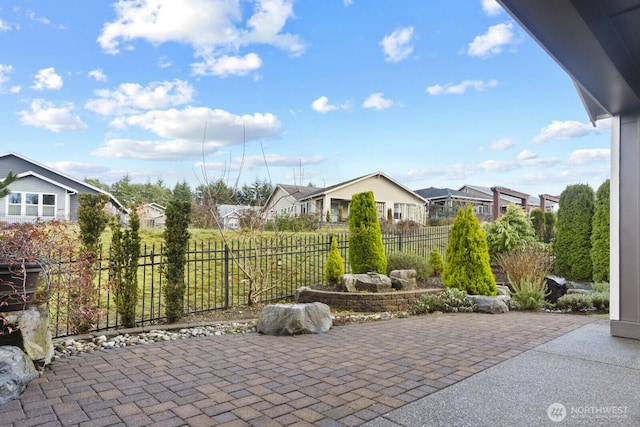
<point x="348" y="376"/>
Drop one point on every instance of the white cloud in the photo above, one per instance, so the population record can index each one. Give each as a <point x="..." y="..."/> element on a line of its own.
<point x="179" y="134"/>
<point x="397" y="45"/>
<point x="4" y="26"/>
<point x="15" y="89"/>
<point x="566" y="130"/>
<point x="224" y="66"/>
<point x="321" y="105"/>
<point x="347" y="2"/>
<point x="98" y="75"/>
<point x="79" y="169"/>
<point x="527" y="155"/>
<point x="5" y="70"/>
<point x="498" y="145"/>
<point x="588" y="155"/>
<point x="47" y="79"/>
<point x="453" y="172"/>
<point x="216" y="29"/>
<point x="491" y="7"/>
<point x="164" y="62"/>
<point x="492" y="42"/>
<point x="257" y="161"/>
<point x="47" y="115"/>
<point x="377" y="101"/>
<point x="133" y="97"/>
<point x="461" y="87"/>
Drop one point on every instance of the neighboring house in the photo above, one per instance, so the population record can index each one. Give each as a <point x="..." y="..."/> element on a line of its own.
<point x="230" y="215"/>
<point x="152" y="215"/>
<point x="445" y="202"/>
<point x="42" y="192"/>
<point x="284" y="200"/>
<point x="388" y="194"/>
<point x="521" y="199"/>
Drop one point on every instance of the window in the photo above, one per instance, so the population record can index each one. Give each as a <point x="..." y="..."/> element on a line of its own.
<point x="32" y="204"/>
<point x="381" y="210"/>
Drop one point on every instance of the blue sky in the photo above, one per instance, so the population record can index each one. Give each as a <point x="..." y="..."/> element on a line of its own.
<point x="433" y="93"/>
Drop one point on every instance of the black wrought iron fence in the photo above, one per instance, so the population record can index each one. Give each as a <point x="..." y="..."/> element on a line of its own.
<point x="219" y="276"/>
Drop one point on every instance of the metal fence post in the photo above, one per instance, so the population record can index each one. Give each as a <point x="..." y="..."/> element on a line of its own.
<point x="226" y="276"/>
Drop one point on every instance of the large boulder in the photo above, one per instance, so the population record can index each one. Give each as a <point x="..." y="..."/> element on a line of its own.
<point x="33" y="324"/>
<point x="491" y="304"/>
<point x="16" y="371"/>
<point x="403" y="280"/>
<point x="292" y="319"/>
<point x="367" y="282"/>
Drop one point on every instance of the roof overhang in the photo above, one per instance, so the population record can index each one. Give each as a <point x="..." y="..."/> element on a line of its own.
<point x="597" y="42"/>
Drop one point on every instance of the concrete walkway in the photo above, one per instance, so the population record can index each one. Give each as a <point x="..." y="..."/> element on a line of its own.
<point x="448" y="369"/>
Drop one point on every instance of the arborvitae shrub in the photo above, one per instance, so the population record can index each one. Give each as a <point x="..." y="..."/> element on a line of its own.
<point x="467" y="266"/>
<point x="328" y="216"/>
<point x="537" y="221"/>
<point x="334" y="266"/>
<point x="600" y="234"/>
<point x="436" y="263"/>
<point x="512" y="230"/>
<point x="406" y="261"/>
<point x="340" y="214"/>
<point x="366" y="252"/>
<point x="125" y="253"/>
<point x="550" y="221"/>
<point x="572" y="243"/>
<point x="176" y="237"/>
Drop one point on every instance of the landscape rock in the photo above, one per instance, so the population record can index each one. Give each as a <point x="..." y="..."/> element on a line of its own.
<point x="557" y="287"/>
<point x="33" y="324"/>
<point x="367" y="282"/>
<point x="491" y="304"/>
<point x="503" y="290"/>
<point x="292" y="319"/>
<point x="16" y="371"/>
<point x="579" y="291"/>
<point x="403" y="280"/>
<point x="579" y="285"/>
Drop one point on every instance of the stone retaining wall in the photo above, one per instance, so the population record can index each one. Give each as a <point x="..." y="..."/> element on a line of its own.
<point x="363" y="302"/>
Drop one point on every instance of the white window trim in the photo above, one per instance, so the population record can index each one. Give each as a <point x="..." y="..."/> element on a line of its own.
<point x="23" y="204"/>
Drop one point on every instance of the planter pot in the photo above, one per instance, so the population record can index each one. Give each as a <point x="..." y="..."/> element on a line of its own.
<point x="16" y="291"/>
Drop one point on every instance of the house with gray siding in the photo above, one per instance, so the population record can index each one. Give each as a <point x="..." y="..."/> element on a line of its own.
<point x="42" y="192"/>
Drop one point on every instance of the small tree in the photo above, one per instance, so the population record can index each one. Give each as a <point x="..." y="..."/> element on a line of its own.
<point x="328" y="216"/>
<point x="550" y="220"/>
<point x="511" y="231"/>
<point x="572" y="244"/>
<point x="467" y="266"/>
<point x="123" y="268"/>
<point x="600" y="234"/>
<point x="334" y="266"/>
<point x="436" y="263"/>
<point x="366" y="252"/>
<point x="92" y="220"/>
<point x="176" y="236"/>
<point x="340" y="214"/>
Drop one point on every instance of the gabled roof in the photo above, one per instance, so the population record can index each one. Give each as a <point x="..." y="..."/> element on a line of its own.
<point x="49" y="180"/>
<point x="433" y="193"/>
<point x="69" y="179"/>
<point x="295" y="191"/>
<point x="531" y="200"/>
<point x="324" y="191"/>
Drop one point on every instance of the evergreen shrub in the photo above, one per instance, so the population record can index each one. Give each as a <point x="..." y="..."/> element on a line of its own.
<point x="366" y="252"/>
<point x="436" y="263"/>
<point x="572" y="243"/>
<point x="450" y="300"/>
<point x="600" y="234"/>
<point x="467" y="265"/>
<point x="334" y="266"/>
<point x="511" y="231"/>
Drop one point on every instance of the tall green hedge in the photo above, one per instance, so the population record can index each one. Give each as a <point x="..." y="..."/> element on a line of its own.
<point x="467" y="265"/>
<point x="123" y="268"/>
<point x="572" y="244"/>
<point x="176" y="236"/>
<point x="366" y="252"/>
<point x="600" y="234"/>
<point x="537" y="221"/>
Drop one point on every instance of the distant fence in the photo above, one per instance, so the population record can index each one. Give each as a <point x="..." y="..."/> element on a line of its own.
<point x="215" y="278"/>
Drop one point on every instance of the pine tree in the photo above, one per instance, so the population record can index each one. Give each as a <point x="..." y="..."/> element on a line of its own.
<point x="600" y="234"/>
<point x="334" y="266"/>
<point x="436" y="263"/>
<point x="572" y="244"/>
<point x="467" y="265"/>
<point x="366" y="252"/>
<point x="512" y="230"/>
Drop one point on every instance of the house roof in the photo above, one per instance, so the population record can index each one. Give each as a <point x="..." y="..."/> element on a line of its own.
<point x="433" y="193"/>
<point x="531" y="200"/>
<point x="69" y="179"/>
<point x="324" y="191"/>
<point x="597" y="42"/>
<point x="295" y="191"/>
<point x="226" y="210"/>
